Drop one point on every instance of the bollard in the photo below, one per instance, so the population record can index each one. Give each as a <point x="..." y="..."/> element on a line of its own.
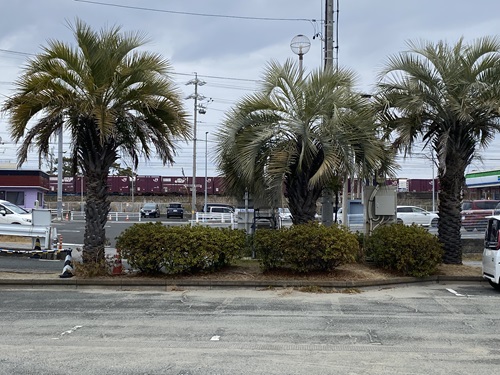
<point x="68" y="266"/>
<point x="37" y="244"/>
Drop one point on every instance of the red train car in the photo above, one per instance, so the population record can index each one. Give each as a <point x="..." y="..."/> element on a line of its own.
<point x="120" y="185"/>
<point x="422" y="185"/>
<point x="148" y="185"/>
<point x="218" y="186"/>
<point x="68" y="185"/>
<point x="175" y="185"/>
<point x="80" y="185"/>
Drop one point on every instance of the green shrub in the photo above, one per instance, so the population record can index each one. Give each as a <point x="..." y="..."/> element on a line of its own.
<point x="268" y="248"/>
<point x="410" y="250"/>
<point x="306" y="247"/>
<point x="143" y="246"/>
<point x="154" y="247"/>
<point x="200" y="248"/>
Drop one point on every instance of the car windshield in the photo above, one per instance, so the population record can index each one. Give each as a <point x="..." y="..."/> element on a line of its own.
<point x="14" y="208"/>
<point x="487" y="205"/>
<point x="149" y="206"/>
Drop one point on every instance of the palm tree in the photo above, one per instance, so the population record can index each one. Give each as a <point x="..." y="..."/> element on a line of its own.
<point x="448" y="97"/>
<point x="111" y="98"/>
<point x="297" y="135"/>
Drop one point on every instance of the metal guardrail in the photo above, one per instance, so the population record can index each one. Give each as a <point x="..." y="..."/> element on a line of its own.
<point x="215" y="219"/>
<point x="112" y="216"/>
<point x="48" y="234"/>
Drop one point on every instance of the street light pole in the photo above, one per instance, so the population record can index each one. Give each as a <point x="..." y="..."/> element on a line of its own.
<point x="206" y="172"/>
<point x="300" y="45"/>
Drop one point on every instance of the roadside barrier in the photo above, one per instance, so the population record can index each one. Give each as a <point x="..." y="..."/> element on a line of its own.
<point x="33" y="253"/>
<point x="27" y="251"/>
<point x="47" y="233"/>
<point x="68" y="266"/>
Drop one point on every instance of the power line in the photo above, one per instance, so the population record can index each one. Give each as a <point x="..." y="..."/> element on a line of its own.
<point x="16" y="52"/>
<point x="198" y="14"/>
<point x="173" y="73"/>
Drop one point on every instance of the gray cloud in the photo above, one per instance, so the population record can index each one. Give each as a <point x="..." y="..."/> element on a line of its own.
<point x="369" y="31"/>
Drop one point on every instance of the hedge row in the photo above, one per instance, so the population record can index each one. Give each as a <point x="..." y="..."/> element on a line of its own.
<point x="152" y="248"/>
<point x="305" y="248"/>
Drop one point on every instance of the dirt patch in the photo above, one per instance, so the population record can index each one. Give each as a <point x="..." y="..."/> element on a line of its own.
<point x="250" y="270"/>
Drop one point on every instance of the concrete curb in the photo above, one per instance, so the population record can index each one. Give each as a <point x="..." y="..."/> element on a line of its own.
<point x="128" y="284"/>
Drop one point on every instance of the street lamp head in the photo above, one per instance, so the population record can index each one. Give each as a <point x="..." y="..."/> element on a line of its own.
<point x="300" y="44"/>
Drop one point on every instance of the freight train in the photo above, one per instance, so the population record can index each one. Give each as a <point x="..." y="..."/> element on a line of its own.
<point x="180" y="185"/>
<point x="141" y="185"/>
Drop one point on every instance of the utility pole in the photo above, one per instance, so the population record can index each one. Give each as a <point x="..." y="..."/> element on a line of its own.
<point x="196" y="82"/>
<point x="327" y="199"/>
<point x="328" y="34"/>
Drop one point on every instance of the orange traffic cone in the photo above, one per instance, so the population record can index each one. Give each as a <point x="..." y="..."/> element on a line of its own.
<point x="126" y="217"/>
<point x="117" y="265"/>
<point x="67" y="216"/>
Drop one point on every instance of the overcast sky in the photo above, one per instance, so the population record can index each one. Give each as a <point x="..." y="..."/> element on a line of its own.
<point x="228" y="43"/>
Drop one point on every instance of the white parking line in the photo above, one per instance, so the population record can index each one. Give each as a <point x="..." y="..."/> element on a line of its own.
<point x="68" y="332"/>
<point x="455" y="292"/>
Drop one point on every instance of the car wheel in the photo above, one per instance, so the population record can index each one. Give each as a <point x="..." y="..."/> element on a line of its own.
<point x="182" y="216"/>
<point x="399" y="221"/>
<point x="494" y="285"/>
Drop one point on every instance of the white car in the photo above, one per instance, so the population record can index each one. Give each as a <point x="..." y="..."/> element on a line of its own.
<point x="491" y="252"/>
<point x="409" y="215"/>
<point x="12" y="214"/>
<point x="285" y="214"/>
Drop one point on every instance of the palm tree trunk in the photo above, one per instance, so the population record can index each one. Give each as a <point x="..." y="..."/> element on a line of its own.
<point x="452" y="181"/>
<point x="301" y="198"/>
<point x="96" y="211"/>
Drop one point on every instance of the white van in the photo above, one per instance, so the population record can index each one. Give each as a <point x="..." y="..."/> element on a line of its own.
<point x="491" y="252"/>
<point x="12" y="214"/>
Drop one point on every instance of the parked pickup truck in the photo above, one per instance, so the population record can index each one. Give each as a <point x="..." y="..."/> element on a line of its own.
<point x="175" y="210"/>
<point x="474" y="213"/>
